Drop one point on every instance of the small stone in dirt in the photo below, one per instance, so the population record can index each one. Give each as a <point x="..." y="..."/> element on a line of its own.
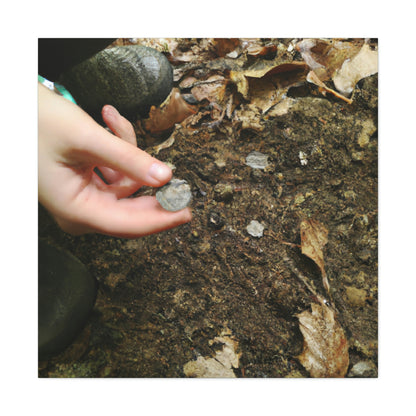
<point x="175" y="195"/>
<point x="257" y="160"/>
<point x="255" y="229"/>
<point x="363" y="369"/>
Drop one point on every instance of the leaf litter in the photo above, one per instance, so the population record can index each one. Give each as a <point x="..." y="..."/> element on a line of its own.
<point x="229" y="83"/>
<point x="314" y="236"/>
<point x="220" y="365"/>
<point x="325" y="349"/>
<point x="325" y="352"/>
<point x="239" y="88"/>
<point x="258" y="89"/>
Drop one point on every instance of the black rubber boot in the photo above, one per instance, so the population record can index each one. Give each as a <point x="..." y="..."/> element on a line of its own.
<point x="131" y="78"/>
<point x="66" y="296"/>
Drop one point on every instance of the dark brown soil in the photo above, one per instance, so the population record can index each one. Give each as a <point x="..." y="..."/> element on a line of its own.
<point x="162" y="298"/>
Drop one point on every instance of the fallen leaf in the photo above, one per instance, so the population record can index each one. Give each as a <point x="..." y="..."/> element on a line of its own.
<point x="220" y="366"/>
<point x="344" y="62"/>
<point x="326" y="56"/>
<point x="207" y="368"/>
<point x="314" y="236"/>
<point x="260" y="50"/>
<point x="213" y="89"/>
<point x="164" y="145"/>
<point x="238" y="78"/>
<point x="188" y="82"/>
<point x="364" y="64"/>
<point x="284" y="74"/>
<point x="173" y="111"/>
<point x="325" y="349"/>
<point x="282" y="107"/>
<point x="249" y="118"/>
<point x="223" y="46"/>
<point x="266" y="85"/>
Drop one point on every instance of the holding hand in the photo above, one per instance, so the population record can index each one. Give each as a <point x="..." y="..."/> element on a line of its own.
<point x="71" y="145"/>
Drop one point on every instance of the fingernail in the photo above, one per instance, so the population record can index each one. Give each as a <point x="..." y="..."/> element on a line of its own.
<point x="160" y="172"/>
<point x="111" y="111"/>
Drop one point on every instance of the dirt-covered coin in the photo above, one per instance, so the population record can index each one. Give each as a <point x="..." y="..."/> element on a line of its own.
<point x="175" y="195"/>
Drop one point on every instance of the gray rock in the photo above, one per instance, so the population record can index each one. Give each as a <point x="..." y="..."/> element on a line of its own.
<point x="255" y="229"/>
<point x="257" y="160"/>
<point x="175" y="195"/>
<point x="363" y="369"/>
<point x="131" y="78"/>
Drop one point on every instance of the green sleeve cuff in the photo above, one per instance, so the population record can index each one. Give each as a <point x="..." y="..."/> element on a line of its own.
<point x="60" y="89"/>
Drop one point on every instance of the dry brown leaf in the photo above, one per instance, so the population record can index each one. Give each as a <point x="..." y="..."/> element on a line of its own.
<point x="364" y="64"/>
<point x="325" y="349"/>
<point x="164" y="145"/>
<point x="213" y="89"/>
<point x="314" y="237"/>
<point x="220" y="366"/>
<point x="260" y="50"/>
<point x="265" y="86"/>
<point x="345" y="62"/>
<point x="249" y="118"/>
<point x="223" y="46"/>
<point x="188" y="82"/>
<point x="325" y="56"/>
<point x="175" y="110"/>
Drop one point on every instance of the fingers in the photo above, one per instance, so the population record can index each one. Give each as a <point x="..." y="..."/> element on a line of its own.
<point x="118" y="124"/>
<point x="110" y="175"/>
<point x="87" y="142"/>
<point x="112" y="152"/>
<point x="122" y="128"/>
<point x="130" y="218"/>
<point x="121" y="185"/>
<point x="133" y="162"/>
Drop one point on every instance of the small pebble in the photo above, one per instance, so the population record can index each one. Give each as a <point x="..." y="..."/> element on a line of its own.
<point x="255" y="229"/>
<point x="363" y="369"/>
<point x="257" y="160"/>
<point x="175" y="195"/>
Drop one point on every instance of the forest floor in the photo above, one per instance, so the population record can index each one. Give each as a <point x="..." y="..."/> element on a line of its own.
<point x="208" y="298"/>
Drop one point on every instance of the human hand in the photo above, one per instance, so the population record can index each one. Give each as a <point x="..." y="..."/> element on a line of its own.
<point x="70" y="145"/>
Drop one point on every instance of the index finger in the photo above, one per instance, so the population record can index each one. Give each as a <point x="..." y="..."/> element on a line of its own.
<point x="119" y="155"/>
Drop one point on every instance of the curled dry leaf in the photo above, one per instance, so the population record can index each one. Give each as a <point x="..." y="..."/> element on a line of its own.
<point x="282" y="75"/>
<point x="265" y="86"/>
<point x="325" y="349"/>
<point x="223" y="46"/>
<point x="260" y="50"/>
<point x="220" y="366"/>
<point x="364" y="64"/>
<point x="326" y="56"/>
<point x="175" y="110"/>
<point x="213" y="89"/>
<point x="314" y="236"/>
<point x="345" y="62"/>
